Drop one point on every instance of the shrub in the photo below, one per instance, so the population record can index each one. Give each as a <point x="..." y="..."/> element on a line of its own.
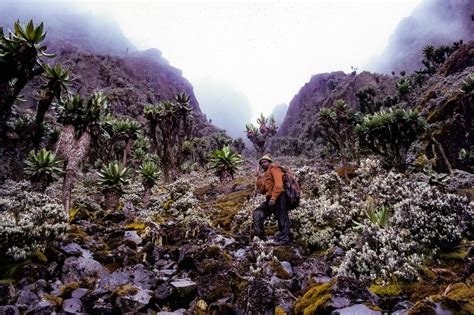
<point x="390" y="134"/>
<point x="42" y="168"/>
<point x="224" y="162"/>
<point x="29" y="221"/>
<point x="112" y="178"/>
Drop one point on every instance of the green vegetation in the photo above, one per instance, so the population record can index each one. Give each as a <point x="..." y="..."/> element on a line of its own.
<point x="42" y="168"/>
<point x="224" y="162"/>
<point x="112" y="179"/>
<point x="149" y="173"/>
<point x="389" y="134"/>
<point x="81" y="120"/>
<point x="260" y="135"/>
<point x="171" y="123"/>
<point x="20" y="53"/>
<point x="337" y="128"/>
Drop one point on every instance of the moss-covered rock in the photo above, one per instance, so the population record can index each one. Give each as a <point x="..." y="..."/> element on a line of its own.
<point x="315" y="300"/>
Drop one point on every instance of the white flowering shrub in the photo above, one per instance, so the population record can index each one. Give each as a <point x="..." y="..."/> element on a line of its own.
<point x="434" y="219"/>
<point x="242" y="221"/>
<point x="421" y="220"/>
<point x="381" y="253"/>
<point x="177" y="202"/>
<point x="28" y="220"/>
<point x="194" y="223"/>
<point x="133" y="192"/>
<point x="86" y="193"/>
<point x="264" y="254"/>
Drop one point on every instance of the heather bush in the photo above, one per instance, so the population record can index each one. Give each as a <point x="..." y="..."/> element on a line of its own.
<point x="29" y="220"/>
<point x="381" y="253"/>
<point x="417" y="221"/>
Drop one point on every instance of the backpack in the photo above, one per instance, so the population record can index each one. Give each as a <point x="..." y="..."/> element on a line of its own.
<point x="292" y="189"/>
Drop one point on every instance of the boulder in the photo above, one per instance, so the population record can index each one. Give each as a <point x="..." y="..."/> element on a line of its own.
<point x="184" y="287"/>
<point x="73" y="305"/>
<point x="77" y="268"/>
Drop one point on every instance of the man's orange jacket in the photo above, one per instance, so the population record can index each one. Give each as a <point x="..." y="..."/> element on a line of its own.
<point x="271" y="182"/>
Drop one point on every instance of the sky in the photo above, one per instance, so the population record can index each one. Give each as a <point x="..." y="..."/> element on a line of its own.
<point x="266" y="50"/>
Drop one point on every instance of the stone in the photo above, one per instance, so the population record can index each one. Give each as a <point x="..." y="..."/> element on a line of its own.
<point x="133" y="236"/>
<point x="133" y="302"/>
<point x="287" y="266"/>
<point x="41" y="307"/>
<point x="184" y="287"/>
<point x="79" y="293"/>
<point x="74" y="249"/>
<point x="73" y="305"/>
<point x="77" y="268"/>
<point x="163" y="291"/>
<point x="9" y="310"/>
<point x="355" y="309"/>
<point x="26" y="298"/>
<point x="136" y="275"/>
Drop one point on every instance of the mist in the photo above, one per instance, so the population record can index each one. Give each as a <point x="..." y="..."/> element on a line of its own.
<point x="279" y="113"/>
<point x="433" y="22"/>
<point x="228" y="108"/>
<point x="70" y="24"/>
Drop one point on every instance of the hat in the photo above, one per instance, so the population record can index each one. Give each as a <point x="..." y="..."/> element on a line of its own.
<point x="267" y="157"/>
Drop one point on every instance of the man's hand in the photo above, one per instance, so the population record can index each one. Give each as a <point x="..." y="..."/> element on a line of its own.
<point x="271" y="202"/>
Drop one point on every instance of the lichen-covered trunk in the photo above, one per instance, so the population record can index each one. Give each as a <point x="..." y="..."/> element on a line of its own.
<point x="43" y="106"/>
<point x="126" y="151"/>
<point x="146" y="196"/>
<point x="73" y="150"/>
<point x="111" y="199"/>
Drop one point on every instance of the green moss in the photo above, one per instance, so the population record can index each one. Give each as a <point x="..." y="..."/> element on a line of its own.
<point x="458" y="254"/>
<point x="228" y="206"/>
<point x="423" y="308"/>
<point x="168" y="204"/>
<point x="54" y="300"/>
<point x="126" y="289"/>
<point x="444" y="110"/>
<point x="78" y="234"/>
<point x="38" y="257"/>
<point x="279" y="270"/>
<point x="395" y="288"/>
<point x="314" y="301"/>
<point x="460" y="297"/>
<point x="68" y="288"/>
<point x="279" y="311"/>
<point x="135" y="226"/>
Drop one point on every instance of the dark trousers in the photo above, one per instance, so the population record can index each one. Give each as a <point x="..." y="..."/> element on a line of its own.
<point x="279" y="209"/>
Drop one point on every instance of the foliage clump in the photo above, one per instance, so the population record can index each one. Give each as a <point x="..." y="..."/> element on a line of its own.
<point x="225" y="162"/>
<point x="416" y="220"/>
<point x="29" y="220"/>
<point x="42" y="168"/>
<point x="390" y="134"/>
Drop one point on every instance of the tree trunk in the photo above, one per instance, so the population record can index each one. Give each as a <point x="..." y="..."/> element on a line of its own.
<point x="443" y="155"/>
<point x="111" y="200"/>
<point x="73" y="151"/>
<point x="126" y="150"/>
<point x="146" y="197"/>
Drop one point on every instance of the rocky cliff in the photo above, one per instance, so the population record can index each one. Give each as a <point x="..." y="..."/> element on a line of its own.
<point x="322" y="90"/>
<point x="433" y="22"/>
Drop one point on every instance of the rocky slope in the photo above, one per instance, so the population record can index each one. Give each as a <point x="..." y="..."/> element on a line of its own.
<point x="190" y="252"/>
<point x="322" y="90"/>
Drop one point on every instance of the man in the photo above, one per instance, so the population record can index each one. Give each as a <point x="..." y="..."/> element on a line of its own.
<point x="271" y="185"/>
